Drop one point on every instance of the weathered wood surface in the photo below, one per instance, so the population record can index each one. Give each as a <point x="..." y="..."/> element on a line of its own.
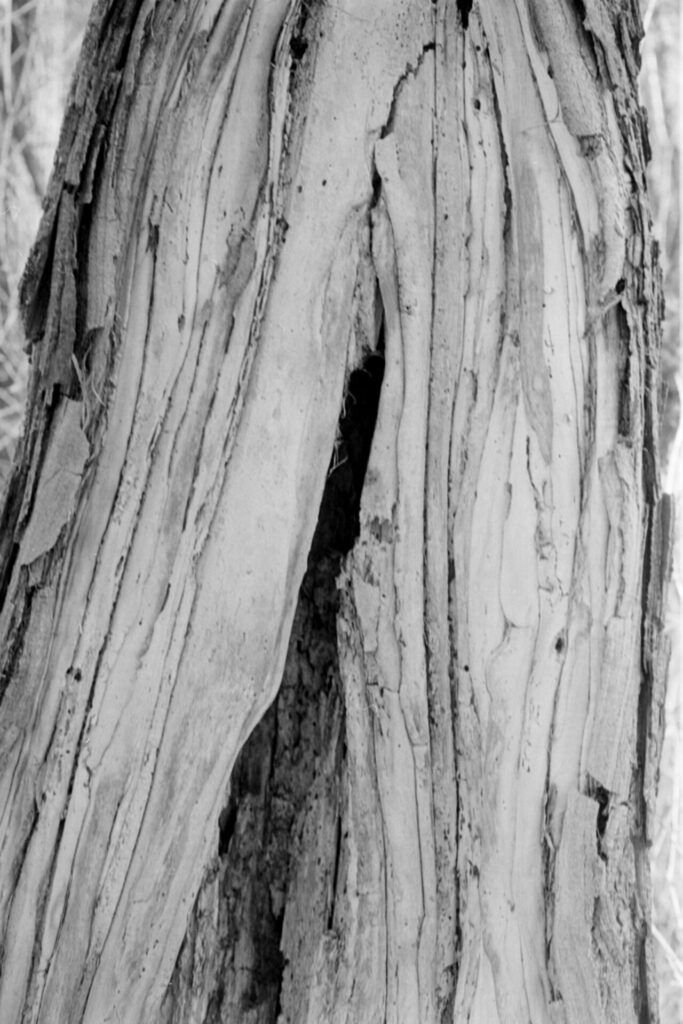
<point x="249" y="198"/>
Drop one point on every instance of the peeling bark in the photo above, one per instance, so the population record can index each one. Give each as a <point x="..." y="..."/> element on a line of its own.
<point x="345" y="325"/>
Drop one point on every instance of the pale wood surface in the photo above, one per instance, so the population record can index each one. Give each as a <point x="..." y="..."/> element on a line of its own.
<point x="244" y="192"/>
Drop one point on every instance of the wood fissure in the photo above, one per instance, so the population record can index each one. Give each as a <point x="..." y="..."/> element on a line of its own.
<point x="333" y="559"/>
<point x="290" y="774"/>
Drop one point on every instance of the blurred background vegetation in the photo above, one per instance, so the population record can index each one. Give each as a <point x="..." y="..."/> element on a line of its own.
<point x="39" y="44"/>
<point x="661" y="85"/>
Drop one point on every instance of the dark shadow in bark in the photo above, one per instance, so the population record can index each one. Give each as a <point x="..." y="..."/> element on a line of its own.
<point x="292" y="761"/>
<point x="464" y="6"/>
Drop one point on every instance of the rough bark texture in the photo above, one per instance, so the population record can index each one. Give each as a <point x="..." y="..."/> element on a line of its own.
<point x="385" y="267"/>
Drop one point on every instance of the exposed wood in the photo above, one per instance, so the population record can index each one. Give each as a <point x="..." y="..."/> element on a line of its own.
<point x="445" y="815"/>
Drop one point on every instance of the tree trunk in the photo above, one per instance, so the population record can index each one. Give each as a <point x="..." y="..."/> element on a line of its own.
<point x="345" y="324"/>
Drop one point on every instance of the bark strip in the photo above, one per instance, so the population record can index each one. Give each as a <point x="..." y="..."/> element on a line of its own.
<point x="446" y="815"/>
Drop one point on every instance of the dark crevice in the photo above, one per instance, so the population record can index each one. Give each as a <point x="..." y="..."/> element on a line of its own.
<point x="642" y="990"/>
<point x="602" y="798"/>
<point x="376" y="190"/>
<point x="114" y="32"/>
<point x="624" y="409"/>
<point x="289" y="772"/>
<point x="335" y="876"/>
<point x="12" y="553"/>
<point x="298" y="42"/>
<point x="83" y="337"/>
<point x="410" y="72"/>
<point x="34" y="292"/>
<point x="298" y="45"/>
<point x="226" y="826"/>
<point x="656" y="570"/>
<point x="507" y="194"/>
<point x="464" y="7"/>
<point x="339" y="518"/>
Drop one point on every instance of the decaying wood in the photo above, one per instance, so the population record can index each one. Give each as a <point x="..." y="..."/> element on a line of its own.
<point x="445" y="815"/>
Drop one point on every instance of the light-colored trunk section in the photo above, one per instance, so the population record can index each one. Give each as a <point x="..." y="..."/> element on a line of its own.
<point x="250" y="198"/>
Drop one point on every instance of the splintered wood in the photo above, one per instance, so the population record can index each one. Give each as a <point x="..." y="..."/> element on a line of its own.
<point x="244" y="191"/>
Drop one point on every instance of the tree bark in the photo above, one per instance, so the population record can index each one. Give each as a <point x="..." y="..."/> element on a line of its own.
<point x="345" y="292"/>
